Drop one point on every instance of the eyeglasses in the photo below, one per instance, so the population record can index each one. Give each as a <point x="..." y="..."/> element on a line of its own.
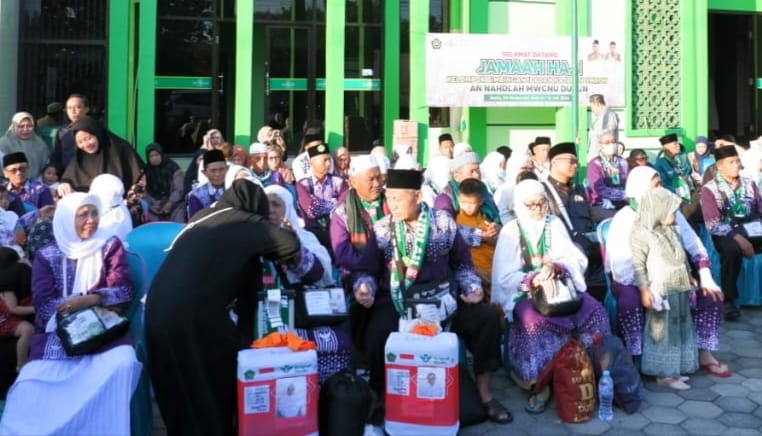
<point x="18" y="169"/>
<point x="535" y="205"/>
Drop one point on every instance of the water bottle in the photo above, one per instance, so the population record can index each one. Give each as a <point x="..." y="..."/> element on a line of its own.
<point x="605" y="397"/>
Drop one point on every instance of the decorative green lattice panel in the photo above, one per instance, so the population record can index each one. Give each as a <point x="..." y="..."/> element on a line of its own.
<point x="655" y="64"/>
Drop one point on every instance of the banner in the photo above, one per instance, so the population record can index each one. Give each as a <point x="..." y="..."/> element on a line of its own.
<point x="502" y="70"/>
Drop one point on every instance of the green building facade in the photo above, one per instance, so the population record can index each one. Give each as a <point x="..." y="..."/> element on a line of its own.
<point x="162" y="70"/>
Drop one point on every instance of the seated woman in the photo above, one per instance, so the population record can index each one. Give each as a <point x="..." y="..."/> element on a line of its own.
<point x="164" y="187"/>
<point x="707" y="310"/>
<point x="115" y="217"/>
<point x="314" y="269"/>
<point x="87" y="394"/>
<point x="535" y="338"/>
<point x="98" y="152"/>
<point x="236" y="172"/>
<point x="21" y="137"/>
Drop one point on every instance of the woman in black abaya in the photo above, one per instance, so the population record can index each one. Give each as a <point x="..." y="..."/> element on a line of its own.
<point x="192" y="343"/>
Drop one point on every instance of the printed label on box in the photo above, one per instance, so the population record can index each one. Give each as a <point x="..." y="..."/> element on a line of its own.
<point x="256" y="399"/>
<point x="398" y="382"/>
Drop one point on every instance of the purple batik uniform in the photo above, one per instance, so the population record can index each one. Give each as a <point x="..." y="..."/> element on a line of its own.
<point x="114" y="287"/>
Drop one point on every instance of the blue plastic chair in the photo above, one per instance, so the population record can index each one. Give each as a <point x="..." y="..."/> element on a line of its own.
<point x="609" y="302"/>
<point x="141" y="408"/>
<point x="145" y="254"/>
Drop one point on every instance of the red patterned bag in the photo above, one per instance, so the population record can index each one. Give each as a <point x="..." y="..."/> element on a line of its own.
<point x="573" y="378"/>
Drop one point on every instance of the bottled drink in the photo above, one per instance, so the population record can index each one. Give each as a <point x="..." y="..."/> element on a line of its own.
<point x="606" y="397"/>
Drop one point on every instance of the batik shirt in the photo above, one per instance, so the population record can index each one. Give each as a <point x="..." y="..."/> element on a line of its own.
<point x="317" y="199"/>
<point x="717" y="211"/>
<point x="202" y="196"/>
<point x="446" y="253"/>
<point x="33" y="193"/>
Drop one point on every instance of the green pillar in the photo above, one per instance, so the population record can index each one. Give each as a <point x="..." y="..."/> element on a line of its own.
<point x="334" y="72"/>
<point x="419" y="110"/>
<point x="565" y="130"/>
<point x="9" y="45"/>
<point x="701" y="38"/>
<point x="475" y="118"/>
<point x="689" y="89"/>
<point x="242" y="121"/>
<point x="119" y="69"/>
<point x="391" y="74"/>
<point x="146" y="73"/>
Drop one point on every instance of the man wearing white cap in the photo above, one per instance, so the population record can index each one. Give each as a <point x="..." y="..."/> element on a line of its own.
<point x="466" y="166"/>
<point x="258" y="165"/>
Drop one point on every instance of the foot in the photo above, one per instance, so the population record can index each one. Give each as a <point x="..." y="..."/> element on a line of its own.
<point x="732" y="313"/>
<point x="496" y="412"/>
<point x="537" y="402"/>
<point x="717" y="369"/>
<point x="673" y="383"/>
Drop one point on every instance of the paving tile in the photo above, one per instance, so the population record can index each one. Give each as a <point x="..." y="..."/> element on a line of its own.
<point x="665" y="415"/>
<point x="734" y="431"/>
<point x="736" y="404"/>
<point x="658" y="429"/>
<point x="592" y="427"/>
<point x="751" y="372"/>
<point x="636" y="421"/>
<point x="741" y="420"/>
<point x="735" y="378"/>
<point x="701" y="380"/>
<point x="753" y="384"/>
<point x="700" y="409"/>
<point x="756" y="397"/>
<point x="728" y="390"/>
<point x="749" y="351"/>
<point x="702" y="426"/>
<point x="741" y="334"/>
<point x="668" y="399"/>
<point x="698" y="394"/>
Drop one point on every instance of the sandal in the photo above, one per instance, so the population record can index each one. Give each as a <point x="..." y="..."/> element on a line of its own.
<point x="716" y="369"/>
<point x="536" y="404"/>
<point x="496" y="412"/>
<point x="732" y="314"/>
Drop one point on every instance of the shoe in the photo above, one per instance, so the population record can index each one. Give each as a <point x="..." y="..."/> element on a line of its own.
<point x="716" y="369"/>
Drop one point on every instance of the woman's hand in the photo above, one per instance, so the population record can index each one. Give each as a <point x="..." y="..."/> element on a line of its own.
<point x="64" y="189"/>
<point x="79" y="302"/>
<point x="646" y="299"/>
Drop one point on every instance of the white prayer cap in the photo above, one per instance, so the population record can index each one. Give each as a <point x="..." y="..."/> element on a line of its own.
<point x="383" y="163"/>
<point x="361" y="163"/>
<point x="407" y="162"/>
<point x="463" y="159"/>
<point x="257" y="148"/>
<point x="461" y="148"/>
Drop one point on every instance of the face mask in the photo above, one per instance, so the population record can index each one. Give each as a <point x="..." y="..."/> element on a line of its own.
<point x="501" y="174"/>
<point x="610" y="149"/>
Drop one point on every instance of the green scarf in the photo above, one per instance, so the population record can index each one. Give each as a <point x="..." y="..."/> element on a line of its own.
<point x="411" y="265"/>
<point x="488" y="208"/>
<point x="738" y="208"/>
<point x="356" y="224"/>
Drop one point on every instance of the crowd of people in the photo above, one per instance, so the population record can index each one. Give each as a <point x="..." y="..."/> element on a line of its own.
<point x="485" y="237"/>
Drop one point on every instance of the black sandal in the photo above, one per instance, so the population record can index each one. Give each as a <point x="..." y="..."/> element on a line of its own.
<point x="497" y="412"/>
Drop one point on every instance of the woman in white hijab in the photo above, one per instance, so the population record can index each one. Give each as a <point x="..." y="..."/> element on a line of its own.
<point x="115" y="216"/>
<point x="535" y="338"/>
<point x="437" y="176"/>
<point x="236" y="172"/>
<point x="87" y="394"/>
<point x="493" y="170"/>
<point x="519" y="161"/>
<point x="752" y="161"/>
<point x="21" y="137"/>
<point x="315" y="267"/>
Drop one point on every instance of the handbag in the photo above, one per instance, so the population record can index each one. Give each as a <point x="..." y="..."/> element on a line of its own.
<point x="430" y="301"/>
<point x="87" y="330"/>
<point x="317" y="306"/>
<point x="555" y="297"/>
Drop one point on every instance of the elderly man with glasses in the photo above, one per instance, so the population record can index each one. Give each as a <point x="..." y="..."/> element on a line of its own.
<point x="25" y="194"/>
